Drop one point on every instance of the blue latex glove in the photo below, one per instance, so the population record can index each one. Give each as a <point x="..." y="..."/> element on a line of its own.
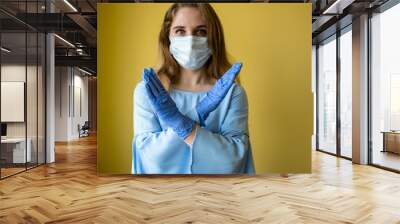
<point x="214" y="97"/>
<point x="165" y="106"/>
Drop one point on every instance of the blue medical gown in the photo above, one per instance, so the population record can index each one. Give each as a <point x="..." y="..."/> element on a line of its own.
<point x="222" y="146"/>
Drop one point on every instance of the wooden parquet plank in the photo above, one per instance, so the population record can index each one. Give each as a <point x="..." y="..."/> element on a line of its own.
<point x="71" y="191"/>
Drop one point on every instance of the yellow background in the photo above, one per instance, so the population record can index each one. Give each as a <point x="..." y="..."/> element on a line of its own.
<point x="272" y="40"/>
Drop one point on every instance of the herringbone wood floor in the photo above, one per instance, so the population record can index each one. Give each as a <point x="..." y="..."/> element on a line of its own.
<point x="70" y="191"/>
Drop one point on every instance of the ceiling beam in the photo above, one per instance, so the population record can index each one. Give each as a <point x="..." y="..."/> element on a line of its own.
<point x="84" y="24"/>
<point x="337" y="7"/>
<point x="84" y="61"/>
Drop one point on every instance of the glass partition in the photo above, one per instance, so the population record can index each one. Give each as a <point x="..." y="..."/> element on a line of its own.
<point x="14" y="152"/>
<point x="327" y="95"/>
<point x="385" y="89"/>
<point x="346" y="93"/>
<point x="22" y="88"/>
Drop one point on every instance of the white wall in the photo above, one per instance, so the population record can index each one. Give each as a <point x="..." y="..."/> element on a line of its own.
<point x="13" y="100"/>
<point x="62" y="81"/>
<point x="12" y="73"/>
<point x="70" y="83"/>
<point x="79" y="117"/>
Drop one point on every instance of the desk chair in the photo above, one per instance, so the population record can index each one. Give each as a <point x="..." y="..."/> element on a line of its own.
<point x="84" y="130"/>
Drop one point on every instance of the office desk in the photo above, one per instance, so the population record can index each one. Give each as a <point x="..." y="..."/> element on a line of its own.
<point x="391" y="141"/>
<point x="13" y="150"/>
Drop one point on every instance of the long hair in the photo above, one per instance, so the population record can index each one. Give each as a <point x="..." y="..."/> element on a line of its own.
<point x="216" y="65"/>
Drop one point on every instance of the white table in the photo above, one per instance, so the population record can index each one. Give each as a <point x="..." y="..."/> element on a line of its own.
<point x="18" y="145"/>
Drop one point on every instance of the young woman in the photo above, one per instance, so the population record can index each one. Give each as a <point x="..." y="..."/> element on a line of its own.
<point x="190" y="117"/>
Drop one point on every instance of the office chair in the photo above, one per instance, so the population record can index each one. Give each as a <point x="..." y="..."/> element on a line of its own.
<point x="84" y="130"/>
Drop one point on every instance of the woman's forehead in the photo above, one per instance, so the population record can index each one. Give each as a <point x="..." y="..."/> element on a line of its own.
<point x="188" y="17"/>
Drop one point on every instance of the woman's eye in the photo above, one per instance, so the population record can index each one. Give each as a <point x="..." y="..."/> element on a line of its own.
<point x="180" y="32"/>
<point x="201" y="33"/>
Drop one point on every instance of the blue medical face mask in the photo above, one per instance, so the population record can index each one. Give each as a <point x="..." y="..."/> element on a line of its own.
<point x="190" y="52"/>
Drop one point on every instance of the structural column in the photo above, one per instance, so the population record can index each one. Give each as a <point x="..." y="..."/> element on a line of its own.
<point x="50" y="92"/>
<point x="360" y="90"/>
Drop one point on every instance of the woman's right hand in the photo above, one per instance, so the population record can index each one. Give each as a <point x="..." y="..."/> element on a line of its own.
<point x="214" y="97"/>
<point x="165" y="106"/>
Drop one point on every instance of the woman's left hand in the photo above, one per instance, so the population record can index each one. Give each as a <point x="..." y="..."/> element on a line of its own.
<point x="214" y="97"/>
<point x="164" y="105"/>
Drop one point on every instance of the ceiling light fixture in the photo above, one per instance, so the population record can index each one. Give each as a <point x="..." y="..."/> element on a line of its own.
<point x="5" y="50"/>
<point x="65" y="41"/>
<point x="84" y="71"/>
<point x="70" y="5"/>
<point x="338" y="6"/>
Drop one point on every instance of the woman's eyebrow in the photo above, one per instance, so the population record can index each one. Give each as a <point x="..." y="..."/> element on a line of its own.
<point x="201" y="26"/>
<point x="182" y="27"/>
<point x="178" y="27"/>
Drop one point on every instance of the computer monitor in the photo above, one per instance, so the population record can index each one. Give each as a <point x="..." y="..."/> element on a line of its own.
<point x="3" y="129"/>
